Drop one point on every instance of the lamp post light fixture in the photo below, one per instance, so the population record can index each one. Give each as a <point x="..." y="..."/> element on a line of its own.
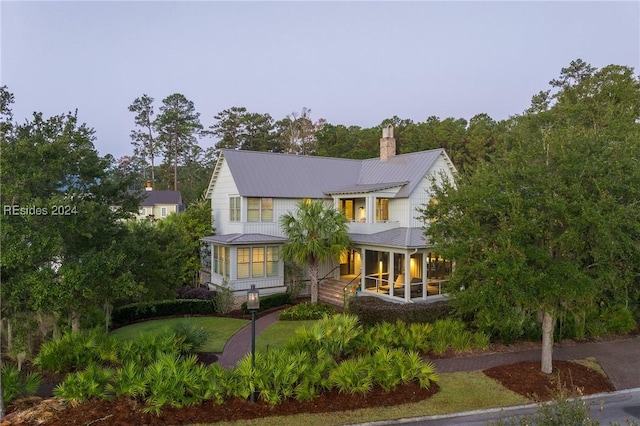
<point x="253" y="304"/>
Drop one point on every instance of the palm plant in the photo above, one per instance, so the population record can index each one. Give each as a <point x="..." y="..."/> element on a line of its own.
<point x="316" y="233"/>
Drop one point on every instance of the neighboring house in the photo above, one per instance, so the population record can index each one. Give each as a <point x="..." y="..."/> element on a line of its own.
<point x="159" y="204"/>
<point x="390" y="257"/>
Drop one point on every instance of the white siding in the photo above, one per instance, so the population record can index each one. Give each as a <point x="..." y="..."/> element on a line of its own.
<point x="225" y="187"/>
<point x="422" y="192"/>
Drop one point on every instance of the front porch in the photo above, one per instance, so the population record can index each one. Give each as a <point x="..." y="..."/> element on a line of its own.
<point x="396" y="275"/>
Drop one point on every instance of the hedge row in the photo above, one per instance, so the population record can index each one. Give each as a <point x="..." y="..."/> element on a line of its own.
<point x="270" y="301"/>
<point x="189" y="292"/>
<point x="373" y="310"/>
<point x="145" y="310"/>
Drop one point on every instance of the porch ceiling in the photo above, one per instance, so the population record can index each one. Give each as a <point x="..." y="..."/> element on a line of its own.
<point x="406" y="238"/>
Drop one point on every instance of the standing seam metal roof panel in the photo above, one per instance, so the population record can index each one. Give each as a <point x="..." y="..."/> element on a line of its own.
<point x="262" y="174"/>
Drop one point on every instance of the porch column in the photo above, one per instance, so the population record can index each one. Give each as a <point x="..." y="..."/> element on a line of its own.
<point x="370" y="210"/>
<point x="362" y="268"/>
<point x="407" y="276"/>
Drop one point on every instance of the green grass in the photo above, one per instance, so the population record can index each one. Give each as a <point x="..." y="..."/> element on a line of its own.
<point x="277" y="334"/>
<point x="461" y="391"/>
<point x="219" y="329"/>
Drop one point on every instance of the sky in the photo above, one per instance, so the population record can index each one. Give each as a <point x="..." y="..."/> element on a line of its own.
<point x="351" y="63"/>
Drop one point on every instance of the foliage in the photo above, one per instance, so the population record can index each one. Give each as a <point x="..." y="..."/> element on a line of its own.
<point x="237" y="128"/>
<point x="550" y="224"/>
<point x="270" y="301"/>
<point x="76" y="351"/>
<point x="224" y="297"/>
<point x="188" y="292"/>
<point x="192" y="336"/>
<point x="306" y="311"/>
<point x="337" y="336"/>
<point x="15" y="384"/>
<point x="146" y="310"/>
<point x="83" y="385"/>
<point x="373" y="310"/>
<point x="67" y="239"/>
<point x="177" y="125"/>
<point x="314" y="234"/>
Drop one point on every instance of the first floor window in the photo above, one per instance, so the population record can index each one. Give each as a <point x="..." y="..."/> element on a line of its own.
<point x="256" y="262"/>
<point x="221" y="260"/>
<point x="163" y="211"/>
<point x="273" y="257"/>
<point x="243" y="262"/>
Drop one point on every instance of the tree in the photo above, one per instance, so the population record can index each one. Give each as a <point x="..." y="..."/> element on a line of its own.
<point x="144" y="141"/>
<point x="178" y="124"/>
<point x="548" y="226"/>
<point x="297" y="133"/>
<point x="237" y="128"/>
<point x="316" y="233"/>
<point x="62" y="211"/>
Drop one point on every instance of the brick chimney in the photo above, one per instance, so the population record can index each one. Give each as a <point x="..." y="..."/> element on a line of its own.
<point x="387" y="143"/>
<point x="149" y="187"/>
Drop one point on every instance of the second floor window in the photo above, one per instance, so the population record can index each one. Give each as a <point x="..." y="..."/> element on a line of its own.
<point x="382" y="209"/>
<point x="234" y="209"/>
<point x="259" y="209"/>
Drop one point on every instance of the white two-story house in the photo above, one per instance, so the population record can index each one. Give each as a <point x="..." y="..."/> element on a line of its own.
<point x="390" y="256"/>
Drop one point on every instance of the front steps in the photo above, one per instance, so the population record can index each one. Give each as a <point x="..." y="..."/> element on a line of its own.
<point x="331" y="291"/>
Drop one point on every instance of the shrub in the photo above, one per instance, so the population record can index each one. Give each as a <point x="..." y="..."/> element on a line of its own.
<point x="373" y="310"/>
<point x="306" y="311"/>
<point x="270" y="301"/>
<point x="224" y="298"/>
<point x="352" y="376"/>
<point x="84" y="385"/>
<point x="15" y="384"/>
<point x="175" y="381"/>
<point x="337" y="336"/>
<point x="200" y="293"/>
<point x="76" y="351"/>
<point x="193" y="337"/>
<point x="147" y="310"/>
<point x="148" y="346"/>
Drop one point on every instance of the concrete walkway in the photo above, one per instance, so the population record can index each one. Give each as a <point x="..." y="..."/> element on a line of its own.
<point x="620" y="359"/>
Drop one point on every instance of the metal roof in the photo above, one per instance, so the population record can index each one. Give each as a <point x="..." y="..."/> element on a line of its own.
<point x="263" y="174"/>
<point x="407" y="238"/>
<point x="152" y="198"/>
<point x="241" y="239"/>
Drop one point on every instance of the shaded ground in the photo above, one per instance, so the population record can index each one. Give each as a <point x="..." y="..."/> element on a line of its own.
<point x="524" y="378"/>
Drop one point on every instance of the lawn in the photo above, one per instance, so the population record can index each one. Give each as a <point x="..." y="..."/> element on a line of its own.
<point x="219" y="329"/>
<point x="277" y="334"/>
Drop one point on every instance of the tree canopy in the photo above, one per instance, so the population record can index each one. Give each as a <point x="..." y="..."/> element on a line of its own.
<point x="549" y="226"/>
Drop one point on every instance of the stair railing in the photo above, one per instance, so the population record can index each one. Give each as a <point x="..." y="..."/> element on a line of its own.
<point x="350" y="289"/>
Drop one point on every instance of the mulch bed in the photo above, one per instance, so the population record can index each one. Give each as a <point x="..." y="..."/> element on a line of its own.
<point x="524" y="378"/>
